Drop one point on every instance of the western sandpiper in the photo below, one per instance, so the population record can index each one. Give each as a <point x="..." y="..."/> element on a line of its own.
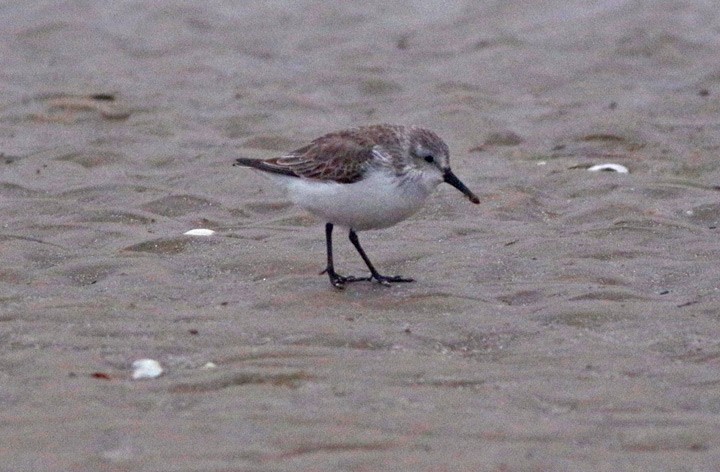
<point x="364" y="178"/>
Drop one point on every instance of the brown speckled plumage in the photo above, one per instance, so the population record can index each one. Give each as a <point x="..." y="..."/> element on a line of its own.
<point x="343" y="156"/>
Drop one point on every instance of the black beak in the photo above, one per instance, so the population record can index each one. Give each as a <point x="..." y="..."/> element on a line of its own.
<point x="450" y="178"/>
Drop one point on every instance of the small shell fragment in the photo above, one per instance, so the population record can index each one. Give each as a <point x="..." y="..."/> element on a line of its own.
<point x="146" y="369"/>
<point x="609" y="167"/>
<point x="200" y="232"/>
<point x="209" y="365"/>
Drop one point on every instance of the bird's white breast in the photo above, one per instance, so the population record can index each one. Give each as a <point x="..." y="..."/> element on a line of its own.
<point x="377" y="201"/>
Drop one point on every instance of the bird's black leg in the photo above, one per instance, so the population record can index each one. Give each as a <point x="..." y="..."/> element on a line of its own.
<point x="337" y="280"/>
<point x="383" y="279"/>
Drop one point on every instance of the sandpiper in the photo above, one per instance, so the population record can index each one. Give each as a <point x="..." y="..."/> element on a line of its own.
<point x="363" y="178"/>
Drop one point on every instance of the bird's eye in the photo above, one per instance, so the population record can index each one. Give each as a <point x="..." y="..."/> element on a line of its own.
<point x="429" y="159"/>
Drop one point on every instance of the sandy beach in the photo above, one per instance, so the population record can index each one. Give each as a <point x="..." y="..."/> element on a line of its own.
<point x="570" y="322"/>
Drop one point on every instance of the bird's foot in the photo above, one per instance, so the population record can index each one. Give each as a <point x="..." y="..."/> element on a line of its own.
<point x="339" y="281"/>
<point x="387" y="280"/>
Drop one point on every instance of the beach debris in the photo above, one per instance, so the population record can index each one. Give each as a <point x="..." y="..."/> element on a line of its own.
<point x="209" y="365"/>
<point x="199" y="232"/>
<point x="102" y="103"/>
<point x="146" y="369"/>
<point x="609" y="168"/>
<point x="100" y="375"/>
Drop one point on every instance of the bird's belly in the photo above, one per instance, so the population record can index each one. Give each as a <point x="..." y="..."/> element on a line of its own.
<point x="375" y="202"/>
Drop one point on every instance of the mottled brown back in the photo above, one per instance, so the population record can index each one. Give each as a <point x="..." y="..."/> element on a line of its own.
<point x="342" y="156"/>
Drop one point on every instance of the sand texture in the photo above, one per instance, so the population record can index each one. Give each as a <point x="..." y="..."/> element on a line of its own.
<point x="570" y="322"/>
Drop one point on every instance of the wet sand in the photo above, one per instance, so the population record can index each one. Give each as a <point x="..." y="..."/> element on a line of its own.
<point x="570" y="322"/>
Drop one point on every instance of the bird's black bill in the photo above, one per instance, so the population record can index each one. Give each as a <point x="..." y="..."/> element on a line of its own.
<point x="450" y="178"/>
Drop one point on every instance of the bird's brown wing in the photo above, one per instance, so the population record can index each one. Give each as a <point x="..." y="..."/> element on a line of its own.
<point x="338" y="157"/>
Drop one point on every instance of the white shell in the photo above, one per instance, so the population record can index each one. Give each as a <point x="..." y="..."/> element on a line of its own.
<point x="146" y="369"/>
<point x="210" y="365"/>
<point x="200" y="232"/>
<point x="610" y="167"/>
